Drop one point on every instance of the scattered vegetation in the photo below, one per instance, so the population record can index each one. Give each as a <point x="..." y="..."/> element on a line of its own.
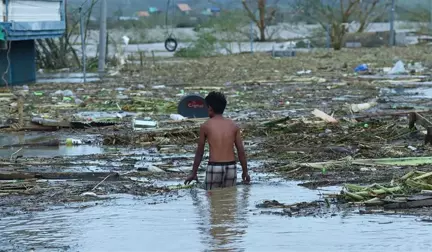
<point x="206" y="45"/>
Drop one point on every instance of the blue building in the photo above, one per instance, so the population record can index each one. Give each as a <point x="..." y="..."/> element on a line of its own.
<point x="23" y="21"/>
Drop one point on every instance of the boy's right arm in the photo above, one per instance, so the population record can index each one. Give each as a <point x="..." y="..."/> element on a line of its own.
<point x="198" y="155"/>
<point x="242" y="156"/>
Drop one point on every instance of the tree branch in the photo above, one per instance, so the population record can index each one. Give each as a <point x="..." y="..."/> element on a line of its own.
<point x="250" y="13"/>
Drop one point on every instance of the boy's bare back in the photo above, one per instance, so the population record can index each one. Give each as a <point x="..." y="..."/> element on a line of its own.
<point x="221" y="136"/>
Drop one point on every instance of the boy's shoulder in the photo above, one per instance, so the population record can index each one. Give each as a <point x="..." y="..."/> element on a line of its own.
<point x="213" y="123"/>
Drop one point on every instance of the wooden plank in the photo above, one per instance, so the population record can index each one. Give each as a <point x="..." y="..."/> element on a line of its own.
<point x="388" y="113"/>
<point x="409" y="204"/>
<point x="416" y="118"/>
<point x="419" y="197"/>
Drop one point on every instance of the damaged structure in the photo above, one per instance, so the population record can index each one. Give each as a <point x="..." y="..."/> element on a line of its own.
<point x="24" y="21"/>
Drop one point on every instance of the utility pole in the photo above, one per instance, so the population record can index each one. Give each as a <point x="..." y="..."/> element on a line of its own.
<point x="430" y="23"/>
<point x="83" y="46"/>
<point x="102" y="36"/>
<point x="251" y="37"/>
<point x="392" y="31"/>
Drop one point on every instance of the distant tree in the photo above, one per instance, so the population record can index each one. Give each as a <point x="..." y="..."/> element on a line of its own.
<point x="338" y="13"/>
<point x="118" y="13"/>
<point x="420" y="14"/>
<point x="265" y="14"/>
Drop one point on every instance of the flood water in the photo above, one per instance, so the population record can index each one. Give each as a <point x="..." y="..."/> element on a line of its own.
<point x="409" y="93"/>
<point x="46" y="151"/>
<point x="67" y="78"/>
<point x="195" y="220"/>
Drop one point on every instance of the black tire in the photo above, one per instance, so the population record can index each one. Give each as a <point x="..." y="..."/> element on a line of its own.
<point x="171" y="44"/>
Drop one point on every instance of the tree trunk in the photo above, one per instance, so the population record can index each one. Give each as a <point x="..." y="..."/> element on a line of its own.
<point x="262" y="23"/>
<point x="337" y="35"/>
<point x="262" y="34"/>
<point x="337" y="43"/>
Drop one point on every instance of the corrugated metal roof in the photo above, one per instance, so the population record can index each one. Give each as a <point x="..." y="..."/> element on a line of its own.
<point x="206" y="12"/>
<point x="184" y="7"/>
<point x="143" y="14"/>
<point x="34" y="11"/>
<point x="124" y="18"/>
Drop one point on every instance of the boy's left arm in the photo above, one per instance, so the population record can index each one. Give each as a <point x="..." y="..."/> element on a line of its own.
<point x="198" y="155"/>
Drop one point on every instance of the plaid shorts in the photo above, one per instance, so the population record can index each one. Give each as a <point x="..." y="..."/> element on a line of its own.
<point x="220" y="174"/>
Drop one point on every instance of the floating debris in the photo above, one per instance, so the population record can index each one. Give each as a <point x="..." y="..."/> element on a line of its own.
<point x="408" y="193"/>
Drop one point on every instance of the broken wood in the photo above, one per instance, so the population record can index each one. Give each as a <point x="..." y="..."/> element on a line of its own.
<point x="96" y="186"/>
<point x="374" y="202"/>
<point x="276" y="122"/>
<point x="32" y="128"/>
<point x="320" y="114"/>
<point x="384" y="114"/>
<point x="203" y="88"/>
<point x="83" y="125"/>
<point x="409" y="204"/>
<point x="416" y="118"/>
<point x="51" y="123"/>
<point x="21" y="110"/>
<point x="330" y="149"/>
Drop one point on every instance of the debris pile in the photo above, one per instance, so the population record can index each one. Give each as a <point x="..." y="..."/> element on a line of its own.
<point x="412" y="190"/>
<point x="311" y="118"/>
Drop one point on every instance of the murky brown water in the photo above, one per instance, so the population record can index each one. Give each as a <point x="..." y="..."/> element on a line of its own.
<point x="225" y="220"/>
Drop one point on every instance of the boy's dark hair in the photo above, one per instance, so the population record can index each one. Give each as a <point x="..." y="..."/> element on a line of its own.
<point x="217" y="101"/>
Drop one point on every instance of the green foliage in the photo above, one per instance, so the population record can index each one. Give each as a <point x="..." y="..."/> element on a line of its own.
<point x="184" y="22"/>
<point x="228" y="26"/>
<point x="227" y="20"/>
<point x="204" y="46"/>
<point x="302" y="44"/>
<point x="418" y="14"/>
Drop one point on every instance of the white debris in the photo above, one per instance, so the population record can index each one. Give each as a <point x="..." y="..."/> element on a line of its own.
<point x="89" y="194"/>
<point x="177" y="117"/>
<point x="412" y="148"/>
<point x="367" y="169"/>
<point x="363" y="106"/>
<point x="303" y="72"/>
<point x="398" y="68"/>
<point x="126" y="40"/>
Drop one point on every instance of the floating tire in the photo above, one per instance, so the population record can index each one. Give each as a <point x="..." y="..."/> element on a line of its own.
<point x="171" y="44"/>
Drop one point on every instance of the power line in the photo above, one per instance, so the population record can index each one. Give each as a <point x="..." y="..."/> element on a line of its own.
<point x="78" y="9"/>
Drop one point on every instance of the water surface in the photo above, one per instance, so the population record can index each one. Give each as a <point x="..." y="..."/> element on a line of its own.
<point x="224" y="220"/>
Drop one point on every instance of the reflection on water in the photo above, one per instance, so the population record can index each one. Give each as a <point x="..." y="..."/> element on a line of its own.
<point x="223" y="211"/>
<point x="224" y="220"/>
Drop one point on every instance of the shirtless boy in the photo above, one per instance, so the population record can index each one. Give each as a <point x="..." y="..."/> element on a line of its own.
<point x="222" y="134"/>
